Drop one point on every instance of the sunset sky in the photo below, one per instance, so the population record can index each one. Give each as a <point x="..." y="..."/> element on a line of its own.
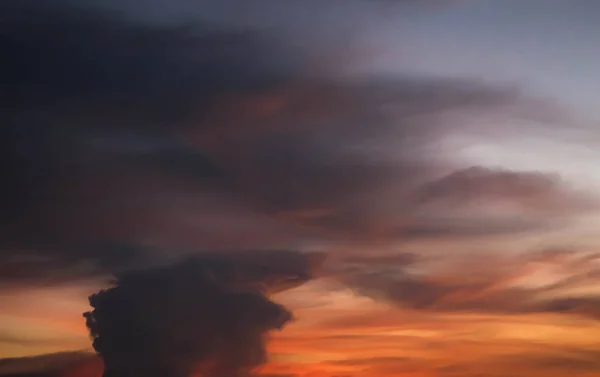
<point x="424" y="173"/>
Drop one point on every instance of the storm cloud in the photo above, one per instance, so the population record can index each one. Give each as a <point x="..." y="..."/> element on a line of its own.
<point x="125" y="131"/>
<point x="175" y="154"/>
<point x="208" y="315"/>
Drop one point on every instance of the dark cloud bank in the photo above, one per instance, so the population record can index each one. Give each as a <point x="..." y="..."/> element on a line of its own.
<point x="124" y="132"/>
<point x="122" y="139"/>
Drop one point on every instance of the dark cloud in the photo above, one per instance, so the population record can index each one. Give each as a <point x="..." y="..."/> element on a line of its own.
<point x="532" y="190"/>
<point x="475" y="284"/>
<point x="92" y="123"/>
<point x="328" y="170"/>
<point x="323" y="144"/>
<point x="207" y="136"/>
<point x="126" y="144"/>
<point x="58" y="266"/>
<point x="207" y="314"/>
<point x="475" y="202"/>
<point x="43" y="365"/>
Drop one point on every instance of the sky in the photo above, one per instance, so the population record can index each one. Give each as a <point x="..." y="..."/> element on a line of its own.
<point x="300" y="188"/>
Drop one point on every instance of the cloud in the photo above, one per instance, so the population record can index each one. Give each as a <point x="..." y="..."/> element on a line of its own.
<point x="553" y="362"/>
<point x="490" y="284"/>
<point x="51" y="364"/>
<point x="467" y="203"/>
<point x="534" y="191"/>
<point x="207" y="314"/>
<point x="209" y="136"/>
<point x="574" y="361"/>
<point x="383" y="365"/>
<point x="128" y="145"/>
<point x="480" y="201"/>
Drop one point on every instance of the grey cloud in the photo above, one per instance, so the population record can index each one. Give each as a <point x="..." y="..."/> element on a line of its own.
<point x="97" y="100"/>
<point x="129" y="131"/>
<point x="52" y="364"/>
<point x="473" y="286"/>
<point x="47" y="267"/>
<point x="530" y="190"/>
<point x="208" y="314"/>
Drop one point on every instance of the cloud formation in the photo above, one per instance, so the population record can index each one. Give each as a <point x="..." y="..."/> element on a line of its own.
<point x="492" y="284"/>
<point x="128" y="144"/>
<point x="207" y="315"/>
<point x="132" y="131"/>
<point x="530" y="190"/>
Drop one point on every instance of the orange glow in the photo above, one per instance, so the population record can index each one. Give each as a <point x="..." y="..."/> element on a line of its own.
<point x="337" y="333"/>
